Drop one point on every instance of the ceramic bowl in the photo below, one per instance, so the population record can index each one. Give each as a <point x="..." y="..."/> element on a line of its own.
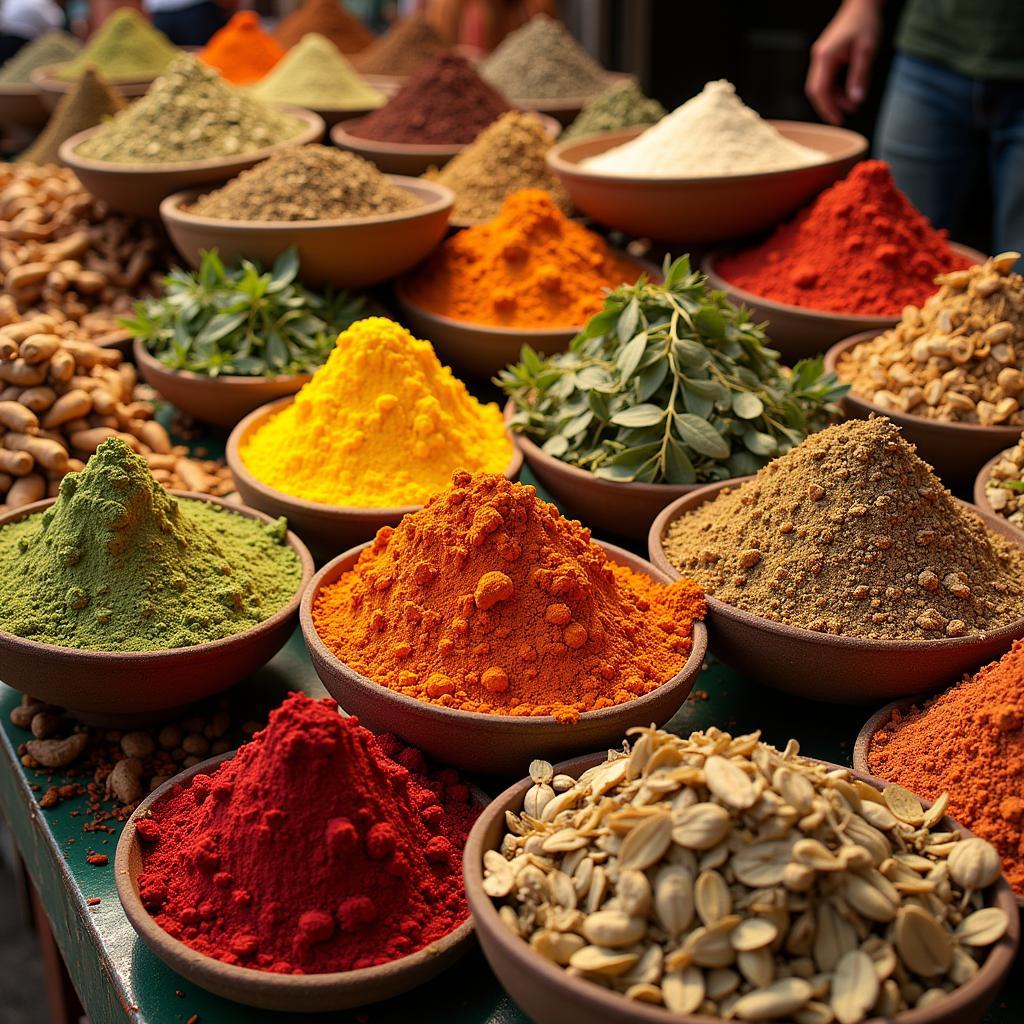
<point x="564" y="111"/>
<point x="701" y="210"/>
<point x="221" y="401"/>
<point x="825" y="667"/>
<point x="956" y="450"/>
<point x="138" y="188"/>
<point x="289" y="993"/>
<point x="490" y="744"/>
<point x="798" y="332"/>
<point x="327" y="529"/>
<point x="550" y="996"/>
<point x="108" y="687"/>
<point x="22" y="105"/>
<point x="980" y="496"/>
<point x="52" y="89"/>
<point x="352" y="253"/>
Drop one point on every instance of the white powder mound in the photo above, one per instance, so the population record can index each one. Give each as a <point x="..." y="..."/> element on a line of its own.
<point x="713" y="134"/>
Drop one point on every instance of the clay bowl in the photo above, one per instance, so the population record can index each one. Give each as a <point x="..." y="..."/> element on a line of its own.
<point x="798" y="332"/>
<point x="564" y="111"/>
<point x="352" y="253"/>
<point x="550" y="996"/>
<point x="221" y="401"/>
<point x="980" y="497"/>
<point x="52" y="89"/>
<point x="702" y="210"/>
<point x="22" y="105"/>
<point x="108" y="687"/>
<point x="327" y="529"/>
<point x="138" y="188"/>
<point x="289" y="993"/>
<point x="956" y="450"/>
<point x="489" y="744"/>
<point x="821" y="666"/>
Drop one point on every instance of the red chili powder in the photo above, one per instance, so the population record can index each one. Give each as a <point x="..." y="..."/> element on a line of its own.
<point x="316" y="848"/>
<point x="860" y="248"/>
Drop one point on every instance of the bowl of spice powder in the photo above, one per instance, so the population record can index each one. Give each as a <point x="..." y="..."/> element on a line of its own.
<point x="370" y="901"/>
<point x="848" y="553"/>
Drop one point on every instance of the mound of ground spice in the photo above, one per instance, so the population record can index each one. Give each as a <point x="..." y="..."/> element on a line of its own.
<point x="620" y="106"/>
<point x="402" y="49"/>
<point x="487" y="600"/>
<point x="329" y="18"/>
<point x="860" y="248"/>
<point x="126" y="47"/>
<point x="373" y="846"/>
<point x="529" y="267"/>
<point x="851" y="533"/>
<point x="241" y="51"/>
<point x="51" y="48"/>
<point x="968" y="741"/>
<point x="445" y="102"/>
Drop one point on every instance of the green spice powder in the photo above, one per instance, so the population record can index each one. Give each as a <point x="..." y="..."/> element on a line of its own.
<point x="119" y="564"/>
<point x="52" y="48"/>
<point x="125" y="48"/>
<point x="621" y="106"/>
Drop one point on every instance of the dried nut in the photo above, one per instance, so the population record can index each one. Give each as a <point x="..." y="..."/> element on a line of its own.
<point x="541" y="772"/>
<point x="973" y="863"/>
<point x="137" y="744"/>
<point x="58" y="753"/>
<point x="124" y="783"/>
<point x="983" y="927"/>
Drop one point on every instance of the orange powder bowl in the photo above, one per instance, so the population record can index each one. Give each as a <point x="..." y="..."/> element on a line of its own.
<point x="482" y="743"/>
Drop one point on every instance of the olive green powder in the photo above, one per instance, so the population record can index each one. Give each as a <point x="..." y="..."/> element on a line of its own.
<point x="620" y="106"/>
<point x="119" y="564"/>
<point x="52" y="48"/>
<point x="126" y="48"/>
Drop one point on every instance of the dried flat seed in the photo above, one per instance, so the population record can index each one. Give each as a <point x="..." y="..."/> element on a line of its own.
<point x="834" y="936"/>
<point x="762" y="865"/>
<point x="701" y="826"/>
<point x="868" y="899"/>
<point x="711" y="897"/>
<point x="780" y="999"/>
<point x="923" y="945"/>
<point x="683" y="991"/>
<point x="729" y="783"/>
<point x="879" y="815"/>
<point x="757" y="966"/>
<point x="498" y="875"/>
<point x="537" y="799"/>
<point x="613" y="928"/>
<point x="541" y="772"/>
<point x="936" y="812"/>
<point x="903" y="804"/>
<point x="607" y="962"/>
<point x="814" y="1013"/>
<point x="633" y="891"/>
<point x="673" y="899"/>
<point x="558" y="947"/>
<point x="854" y="987"/>
<point x="562" y="891"/>
<point x="814" y="854"/>
<point x="983" y="927"/>
<point x="721" y="982"/>
<point x="563" y="841"/>
<point x="753" y="933"/>
<point x="974" y="864"/>
<point x="644" y="992"/>
<point x="710" y="946"/>
<point x="646" y="844"/>
<point x="795" y="788"/>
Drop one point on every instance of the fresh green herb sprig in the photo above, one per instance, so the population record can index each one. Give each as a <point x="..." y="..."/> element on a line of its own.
<point x="242" y="320"/>
<point x="669" y="383"/>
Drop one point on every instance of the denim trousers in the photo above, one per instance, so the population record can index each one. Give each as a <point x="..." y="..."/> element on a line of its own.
<point x="192" y="25"/>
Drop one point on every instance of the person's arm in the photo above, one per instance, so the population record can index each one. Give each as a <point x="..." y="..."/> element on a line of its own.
<point x="850" y="41"/>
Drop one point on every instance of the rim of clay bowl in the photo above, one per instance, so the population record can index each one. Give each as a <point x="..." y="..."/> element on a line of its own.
<point x="19" y="89"/>
<point x="612" y="1006"/>
<point x="983" y="477"/>
<point x="47" y="79"/>
<point x="55" y="650"/>
<point x="1010" y="631"/>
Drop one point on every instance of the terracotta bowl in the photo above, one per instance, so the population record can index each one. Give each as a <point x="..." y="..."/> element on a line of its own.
<point x="702" y="210"/>
<point x="108" y="686"/>
<point x="327" y="529"/>
<point x="138" y="188"/>
<point x="798" y="332"/>
<point x="289" y="993"/>
<point x="955" y="450"/>
<point x="550" y="996"/>
<point x="489" y="744"/>
<point x="980" y="495"/>
<point x="825" y="667"/>
<point x="565" y="110"/>
<point x="52" y="89"/>
<point x="22" y="105"/>
<point x="353" y="253"/>
<point x="222" y="401"/>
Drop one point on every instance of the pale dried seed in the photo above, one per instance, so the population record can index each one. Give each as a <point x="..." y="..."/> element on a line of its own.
<point x="753" y="933"/>
<point x="673" y="899"/>
<point x="923" y="944"/>
<point x="633" y="891"/>
<point x="558" y="947"/>
<point x="701" y="826"/>
<point x="879" y="815"/>
<point x="561" y="783"/>
<point x="795" y="788"/>
<point x="711" y="897"/>
<point x="729" y="783"/>
<point x="779" y="1000"/>
<point x="598" y="889"/>
<point x="889" y="999"/>
<point x="854" y="987"/>
<point x="814" y="854"/>
<point x="974" y="863"/>
<point x="936" y="812"/>
<point x="762" y="864"/>
<point x="537" y="798"/>
<point x="541" y="772"/>
<point x="609" y="962"/>
<point x="683" y="991"/>
<point x="757" y="966"/>
<point x="498" y="875"/>
<point x="833" y="937"/>
<point x="868" y="899"/>
<point x="509" y="919"/>
<point x="720" y="983"/>
<point x="983" y="928"/>
<point x="613" y="928"/>
<point x="563" y="893"/>
<point x="563" y="841"/>
<point x="559" y="803"/>
<point x="710" y="946"/>
<point x="644" y="992"/>
<point x="883" y="956"/>
<point x="648" y="969"/>
<point x="903" y="804"/>
<point x="964" y="967"/>
<point x="814" y="1013"/>
<point x="647" y="843"/>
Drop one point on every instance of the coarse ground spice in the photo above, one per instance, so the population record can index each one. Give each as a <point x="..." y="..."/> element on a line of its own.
<point x="969" y="741"/>
<point x="329" y="18"/>
<point x="402" y="49"/>
<point x="446" y="101"/>
<point x="620" y="106"/>
<point x="51" y="48"/>
<point x="306" y="183"/>
<point x="372" y="844"/>
<point x="487" y="600"/>
<point x="118" y="564"/>
<point x="504" y="158"/>
<point x="126" y="47"/>
<point x="241" y="51"/>
<point x="850" y="533"/>
<point x="529" y="267"/>
<point x="382" y="424"/>
<point x="860" y="247"/>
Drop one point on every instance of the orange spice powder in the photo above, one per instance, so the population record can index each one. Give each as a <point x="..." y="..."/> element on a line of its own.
<point x="241" y="51"/>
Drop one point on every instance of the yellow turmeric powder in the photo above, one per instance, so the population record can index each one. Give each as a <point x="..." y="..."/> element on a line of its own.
<point x="382" y="424"/>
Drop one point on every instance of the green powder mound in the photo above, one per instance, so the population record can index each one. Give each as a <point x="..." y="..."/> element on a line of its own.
<point x="620" y="106"/>
<point x="315" y="74"/>
<point x="119" y="564"/>
<point x="125" y="48"/>
<point x="52" y="48"/>
<point x="189" y="113"/>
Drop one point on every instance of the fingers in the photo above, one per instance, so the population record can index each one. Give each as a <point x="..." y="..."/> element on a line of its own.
<point x="822" y="87"/>
<point x="858" y="77"/>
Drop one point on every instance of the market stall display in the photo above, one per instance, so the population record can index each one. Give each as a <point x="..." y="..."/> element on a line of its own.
<point x="398" y="53"/>
<point x="328" y="18"/>
<point x="20" y="99"/>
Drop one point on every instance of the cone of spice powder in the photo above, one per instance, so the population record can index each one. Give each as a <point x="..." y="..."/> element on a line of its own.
<point x="51" y="48"/>
<point x="329" y="18"/>
<point x="241" y="51"/>
<point x="620" y="106"/>
<point x="126" y="48"/>
<point x="402" y="49"/>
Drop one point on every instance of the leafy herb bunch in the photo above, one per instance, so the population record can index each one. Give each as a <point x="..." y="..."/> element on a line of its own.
<point x="669" y="383"/>
<point x="243" y="320"/>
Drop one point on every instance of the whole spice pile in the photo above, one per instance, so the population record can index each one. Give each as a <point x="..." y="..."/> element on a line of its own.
<point x="969" y="741"/>
<point x="189" y="114"/>
<point x="306" y="183"/>
<point x="712" y="134"/>
<point x="542" y="61"/>
<point x="859" y="248"/>
<point x="719" y="876"/>
<point x="620" y="106"/>
<point x="241" y="51"/>
<point x="504" y="158"/>
<point x="374" y="846"/>
<point x="669" y="383"/>
<point x="382" y="424"/>
<point x="328" y="18"/>
<point x="850" y="533"/>
<point x="402" y="49"/>
<point x="118" y="564"/>
<point x="487" y="600"/>
<point x="529" y="267"/>
<point x="445" y="102"/>
<point x="51" y="48"/>
<point x="126" y="48"/>
<point x="1005" y="485"/>
<point x="955" y="357"/>
<point x="315" y="74"/>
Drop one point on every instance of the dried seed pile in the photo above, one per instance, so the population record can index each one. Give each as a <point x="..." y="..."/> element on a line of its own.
<point x="851" y="533"/>
<point x="955" y="358"/>
<point x="721" y="876"/>
<point x="1004" y="488"/>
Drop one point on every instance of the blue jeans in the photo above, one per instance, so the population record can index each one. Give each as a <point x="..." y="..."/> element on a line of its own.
<point x="193" y="25"/>
<point x="938" y="128"/>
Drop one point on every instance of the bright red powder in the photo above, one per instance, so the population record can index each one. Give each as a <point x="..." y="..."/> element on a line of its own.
<point x="318" y="847"/>
<point x="860" y="248"/>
